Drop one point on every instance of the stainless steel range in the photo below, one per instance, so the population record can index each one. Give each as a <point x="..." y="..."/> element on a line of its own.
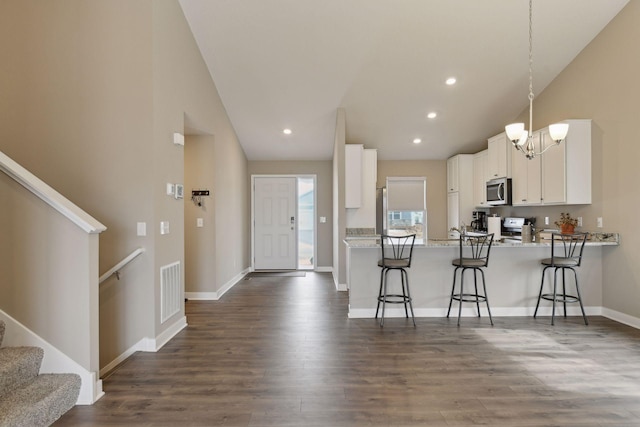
<point x="512" y="227"/>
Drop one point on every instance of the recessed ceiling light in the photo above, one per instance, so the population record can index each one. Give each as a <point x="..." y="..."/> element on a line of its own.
<point x="432" y="115"/>
<point x="287" y="131"/>
<point x="417" y="141"/>
<point x="451" y="81"/>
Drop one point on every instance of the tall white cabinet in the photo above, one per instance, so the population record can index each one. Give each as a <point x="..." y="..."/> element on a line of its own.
<point x="480" y="178"/>
<point x="460" y="204"/>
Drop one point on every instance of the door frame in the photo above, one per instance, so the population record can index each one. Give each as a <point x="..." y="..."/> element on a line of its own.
<point x="315" y="214"/>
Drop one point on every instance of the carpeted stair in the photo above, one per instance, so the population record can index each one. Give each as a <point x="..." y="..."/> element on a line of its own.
<point x="28" y="398"/>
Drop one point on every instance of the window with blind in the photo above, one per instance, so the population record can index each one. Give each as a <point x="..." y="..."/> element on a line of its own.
<point x="407" y="206"/>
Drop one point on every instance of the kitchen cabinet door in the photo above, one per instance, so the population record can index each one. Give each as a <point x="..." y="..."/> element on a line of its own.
<point x="553" y="170"/>
<point x="453" y="166"/>
<point x="499" y="157"/>
<point x="526" y="185"/>
<point x="353" y="162"/>
<point x="480" y="179"/>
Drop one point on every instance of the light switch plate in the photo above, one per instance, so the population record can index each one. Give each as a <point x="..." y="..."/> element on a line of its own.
<point x="142" y="229"/>
<point x="323" y="219"/>
<point x="164" y="227"/>
<point x="199" y="222"/>
<point x="171" y="189"/>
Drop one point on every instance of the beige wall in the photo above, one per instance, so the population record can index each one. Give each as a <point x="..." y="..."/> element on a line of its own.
<point x="92" y="94"/>
<point x="322" y="170"/>
<point x="339" y="211"/>
<point x="602" y="84"/>
<point x="436" y="173"/>
<point x="199" y="242"/>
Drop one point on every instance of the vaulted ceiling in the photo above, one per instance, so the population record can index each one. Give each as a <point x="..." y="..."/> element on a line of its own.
<point x="292" y="63"/>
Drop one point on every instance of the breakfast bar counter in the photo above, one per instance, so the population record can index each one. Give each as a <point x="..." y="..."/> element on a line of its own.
<point x="513" y="277"/>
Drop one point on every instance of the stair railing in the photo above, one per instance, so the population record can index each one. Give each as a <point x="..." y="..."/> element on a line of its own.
<point x="116" y="268"/>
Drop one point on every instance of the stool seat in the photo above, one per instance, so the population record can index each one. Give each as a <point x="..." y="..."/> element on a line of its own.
<point x="478" y="247"/>
<point x="469" y="262"/>
<point x="561" y="262"/>
<point x="566" y="254"/>
<point x="396" y="253"/>
<point x="394" y="263"/>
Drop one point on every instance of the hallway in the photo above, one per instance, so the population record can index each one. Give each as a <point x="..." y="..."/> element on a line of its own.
<point x="280" y="351"/>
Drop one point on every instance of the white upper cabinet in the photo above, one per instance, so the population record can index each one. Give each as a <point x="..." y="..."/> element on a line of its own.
<point x="560" y="176"/>
<point x="480" y="179"/>
<point x="453" y="166"/>
<point x="353" y="162"/>
<point x="499" y="157"/>
<point x="525" y="184"/>
<point x="566" y="168"/>
<point x="460" y="204"/>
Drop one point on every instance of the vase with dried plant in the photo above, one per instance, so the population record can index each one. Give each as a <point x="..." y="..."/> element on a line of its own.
<point x="566" y="223"/>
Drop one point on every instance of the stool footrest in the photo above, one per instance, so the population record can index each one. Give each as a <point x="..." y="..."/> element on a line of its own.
<point x="469" y="297"/>
<point x="394" y="299"/>
<point x="560" y="297"/>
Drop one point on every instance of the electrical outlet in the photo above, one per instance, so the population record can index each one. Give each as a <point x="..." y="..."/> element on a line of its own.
<point x="546" y="220"/>
<point x="171" y="189"/>
<point x="579" y="221"/>
<point x="599" y="222"/>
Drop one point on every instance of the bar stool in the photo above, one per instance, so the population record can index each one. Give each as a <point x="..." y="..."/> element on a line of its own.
<point x="396" y="253"/>
<point x="478" y="247"/>
<point x="567" y="255"/>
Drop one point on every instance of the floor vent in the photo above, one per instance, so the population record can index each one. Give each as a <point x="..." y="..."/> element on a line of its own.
<point x="170" y="290"/>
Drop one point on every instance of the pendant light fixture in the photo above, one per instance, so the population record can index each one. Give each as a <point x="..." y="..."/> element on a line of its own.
<point x="517" y="134"/>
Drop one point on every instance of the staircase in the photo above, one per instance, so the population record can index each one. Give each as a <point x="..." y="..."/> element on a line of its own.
<point x="28" y="398"/>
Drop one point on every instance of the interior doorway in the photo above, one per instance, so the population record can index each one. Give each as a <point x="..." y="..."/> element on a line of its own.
<point x="283" y="224"/>
<point x="306" y="223"/>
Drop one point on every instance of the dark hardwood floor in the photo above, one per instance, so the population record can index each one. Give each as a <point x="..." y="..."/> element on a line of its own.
<point x="282" y="352"/>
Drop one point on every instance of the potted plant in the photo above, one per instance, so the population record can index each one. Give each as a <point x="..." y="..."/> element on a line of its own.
<point x="566" y="223"/>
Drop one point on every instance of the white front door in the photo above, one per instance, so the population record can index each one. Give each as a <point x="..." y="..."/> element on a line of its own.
<point x="275" y="223"/>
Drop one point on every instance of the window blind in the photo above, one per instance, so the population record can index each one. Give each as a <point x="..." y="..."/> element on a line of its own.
<point x="406" y="193"/>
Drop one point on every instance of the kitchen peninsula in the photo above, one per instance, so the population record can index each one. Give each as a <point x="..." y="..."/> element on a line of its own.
<point x="513" y="277"/>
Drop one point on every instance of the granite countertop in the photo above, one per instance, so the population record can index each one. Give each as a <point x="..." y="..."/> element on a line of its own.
<point x="373" y="241"/>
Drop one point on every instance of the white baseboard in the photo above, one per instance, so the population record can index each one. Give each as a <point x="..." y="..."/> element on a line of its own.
<point x="214" y="296"/>
<point x="368" y="313"/>
<point x="147" y="344"/>
<point x="54" y="361"/>
<point x="324" y="269"/>
<point x="621" y="317"/>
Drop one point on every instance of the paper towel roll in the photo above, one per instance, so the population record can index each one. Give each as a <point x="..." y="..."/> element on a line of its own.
<point x="494" y="225"/>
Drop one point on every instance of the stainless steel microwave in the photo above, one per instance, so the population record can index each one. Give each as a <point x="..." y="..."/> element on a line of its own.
<point x="499" y="192"/>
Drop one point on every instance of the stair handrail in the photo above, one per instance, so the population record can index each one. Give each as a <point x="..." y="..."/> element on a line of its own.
<point x="116" y="268"/>
<point x="50" y="196"/>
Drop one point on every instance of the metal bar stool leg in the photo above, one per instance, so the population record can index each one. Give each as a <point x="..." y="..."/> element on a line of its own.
<point x="553" y="304"/>
<point x="486" y="298"/>
<point x="413" y="317"/>
<point x="384" y="297"/>
<point x="380" y="291"/>
<point x="453" y="287"/>
<point x="475" y="284"/>
<point x="584" y="316"/>
<point x="564" y="294"/>
<point x="404" y="291"/>
<point x="544" y="270"/>
<point x="461" y="294"/>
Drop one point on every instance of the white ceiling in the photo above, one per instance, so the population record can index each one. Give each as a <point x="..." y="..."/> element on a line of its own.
<point x="292" y="63"/>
